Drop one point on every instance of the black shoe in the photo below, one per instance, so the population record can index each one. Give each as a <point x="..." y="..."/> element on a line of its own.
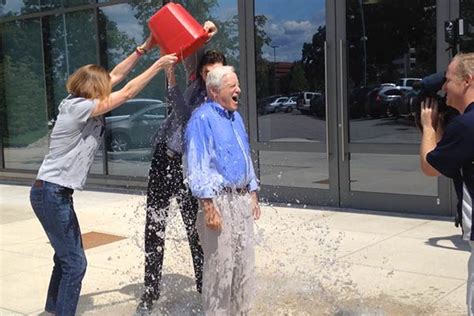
<point x="145" y="307"/>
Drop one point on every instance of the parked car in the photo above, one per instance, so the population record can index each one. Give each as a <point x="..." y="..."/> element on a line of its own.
<point x="289" y="105"/>
<point x="407" y="82"/>
<point x="303" y="102"/>
<point x="261" y="103"/>
<point x="404" y="104"/>
<point x="387" y="100"/>
<point x="134" y="130"/>
<point x="275" y="106"/>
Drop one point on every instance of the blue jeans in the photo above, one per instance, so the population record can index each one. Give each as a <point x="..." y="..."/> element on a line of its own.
<point x="53" y="206"/>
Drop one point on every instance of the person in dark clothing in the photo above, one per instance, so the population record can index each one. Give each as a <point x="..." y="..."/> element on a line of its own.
<point x="450" y="152"/>
<point x="166" y="175"/>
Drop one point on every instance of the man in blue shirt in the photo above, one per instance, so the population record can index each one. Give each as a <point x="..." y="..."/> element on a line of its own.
<point x="166" y="179"/>
<point x="452" y="153"/>
<point x="221" y="175"/>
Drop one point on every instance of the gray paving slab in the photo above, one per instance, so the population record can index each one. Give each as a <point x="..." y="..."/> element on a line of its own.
<point x="309" y="261"/>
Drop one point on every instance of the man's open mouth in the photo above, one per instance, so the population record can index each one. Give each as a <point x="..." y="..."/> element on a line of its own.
<point x="235" y="98"/>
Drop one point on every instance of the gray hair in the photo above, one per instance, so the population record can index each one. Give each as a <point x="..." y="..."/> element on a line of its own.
<point x="215" y="76"/>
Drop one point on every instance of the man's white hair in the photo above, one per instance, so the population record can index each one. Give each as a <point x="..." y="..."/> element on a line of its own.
<point x="215" y="77"/>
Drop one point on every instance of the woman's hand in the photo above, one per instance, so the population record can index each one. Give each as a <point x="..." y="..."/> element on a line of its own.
<point x="168" y="61"/>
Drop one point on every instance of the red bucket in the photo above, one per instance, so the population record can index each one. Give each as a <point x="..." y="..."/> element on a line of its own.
<point x="176" y="31"/>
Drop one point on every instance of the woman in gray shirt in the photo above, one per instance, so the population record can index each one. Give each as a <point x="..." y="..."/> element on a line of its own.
<point x="74" y="141"/>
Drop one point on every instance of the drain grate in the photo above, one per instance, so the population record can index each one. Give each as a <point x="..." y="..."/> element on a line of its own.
<point x="96" y="239"/>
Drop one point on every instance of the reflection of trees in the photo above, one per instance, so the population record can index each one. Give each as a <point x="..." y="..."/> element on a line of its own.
<point x="392" y="28"/>
<point x="226" y="39"/>
<point x="68" y="42"/>
<point x="313" y="60"/>
<point x="264" y="70"/>
<point x="388" y="40"/>
<point x="22" y="82"/>
<point x="467" y="13"/>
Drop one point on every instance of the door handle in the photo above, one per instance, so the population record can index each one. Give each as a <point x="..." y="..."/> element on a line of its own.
<point x="341" y="101"/>
<point x="326" y="97"/>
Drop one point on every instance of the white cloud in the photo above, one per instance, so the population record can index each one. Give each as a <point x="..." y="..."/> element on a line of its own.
<point x="295" y="27"/>
<point x="289" y="36"/>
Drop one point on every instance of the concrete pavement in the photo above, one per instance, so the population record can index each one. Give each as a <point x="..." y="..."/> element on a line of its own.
<point x="309" y="261"/>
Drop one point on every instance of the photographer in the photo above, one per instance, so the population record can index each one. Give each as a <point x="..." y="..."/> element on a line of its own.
<point x="451" y="152"/>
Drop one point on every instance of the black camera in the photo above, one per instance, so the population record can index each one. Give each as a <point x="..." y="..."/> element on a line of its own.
<point x="429" y="87"/>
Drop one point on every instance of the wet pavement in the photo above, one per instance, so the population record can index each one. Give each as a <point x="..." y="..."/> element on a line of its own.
<point x="309" y="261"/>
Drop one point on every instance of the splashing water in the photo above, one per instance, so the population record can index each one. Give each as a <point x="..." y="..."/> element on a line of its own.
<point x="298" y="270"/>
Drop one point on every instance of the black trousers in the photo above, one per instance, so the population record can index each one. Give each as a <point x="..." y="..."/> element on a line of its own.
<point x="165" y="181"/>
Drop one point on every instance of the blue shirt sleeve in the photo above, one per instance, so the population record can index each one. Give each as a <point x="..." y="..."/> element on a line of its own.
<point x="254" y="183"/>
<point x="203" y="178"/>
<point x="453" y="151"/>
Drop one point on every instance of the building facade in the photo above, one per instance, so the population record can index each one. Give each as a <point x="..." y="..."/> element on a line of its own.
<point x="327" y="91"/>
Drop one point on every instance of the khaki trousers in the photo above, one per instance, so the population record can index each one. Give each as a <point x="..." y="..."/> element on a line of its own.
<point x="229" y="257"/>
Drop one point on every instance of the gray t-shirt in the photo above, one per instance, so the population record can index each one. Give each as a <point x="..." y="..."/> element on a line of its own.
<point x="75" y="139"/>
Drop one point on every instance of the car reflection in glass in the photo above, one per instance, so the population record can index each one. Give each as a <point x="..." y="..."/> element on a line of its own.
<point x="275" y="106"/>
<point x="388" y="101"/>
<point x="289" y="105"/>
<point x="134" y="124"/>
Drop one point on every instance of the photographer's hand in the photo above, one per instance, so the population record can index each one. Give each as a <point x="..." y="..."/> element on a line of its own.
<point x="429" y="114"/>
<point x="429" y="122"/>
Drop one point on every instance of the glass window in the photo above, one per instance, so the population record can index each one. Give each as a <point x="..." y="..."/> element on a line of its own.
<point x="23" y="108"/>
<point x="294" y="169"/>
<point x="37" y="59"/>
<point x="70" y="43"/>
<point x="20" y="7"/>
<point x="16" y="7"/>
<point x="389" y="43"/>
<point x="58" y="4"/>
<point x="290" y="70"/>
<point x="130" y="128"/>
<point x="390" y="174"/>
<point x="224" y="14"/>
<point x="467" y="13"/>
<point x="124" y="26"/>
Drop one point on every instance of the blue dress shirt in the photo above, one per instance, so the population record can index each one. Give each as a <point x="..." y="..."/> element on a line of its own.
<point x="217" y="152"/>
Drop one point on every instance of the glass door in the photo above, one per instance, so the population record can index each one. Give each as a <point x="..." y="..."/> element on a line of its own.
<point x="289" y="89"/>
<point x="383" y="49"/>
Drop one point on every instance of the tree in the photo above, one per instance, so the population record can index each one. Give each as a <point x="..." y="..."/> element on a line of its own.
<point x="264" y="70"/>
<point x="313" y="60"/>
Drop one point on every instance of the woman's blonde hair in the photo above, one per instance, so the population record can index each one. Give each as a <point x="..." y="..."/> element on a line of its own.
<point x="90" y="82"/>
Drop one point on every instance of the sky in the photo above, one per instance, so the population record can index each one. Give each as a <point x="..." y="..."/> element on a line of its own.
<point x="290" y="24"/>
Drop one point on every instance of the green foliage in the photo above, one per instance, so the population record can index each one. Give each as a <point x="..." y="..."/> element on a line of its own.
<point x="297" y="78"/>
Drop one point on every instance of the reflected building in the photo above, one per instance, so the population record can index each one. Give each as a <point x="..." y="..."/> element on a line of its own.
<point x="327" y="91"/>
